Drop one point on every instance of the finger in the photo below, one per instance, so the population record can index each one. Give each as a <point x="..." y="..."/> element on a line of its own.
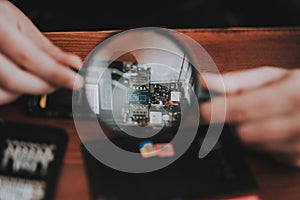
<point x="25" y="26"/>
<point x="37" y="61"/>
<point x="287" y="159"/>
<point x="271" y="130"/>
<point x="274" y="99"/>
<point x="7" y="97"/>
<point x="16" y="80"/>
<point x="288" y="148"/>
<point x="40" y="40"/>
<point x="242" y="80"/>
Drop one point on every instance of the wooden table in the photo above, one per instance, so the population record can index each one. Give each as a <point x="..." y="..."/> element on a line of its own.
<point x="231" y="49"/>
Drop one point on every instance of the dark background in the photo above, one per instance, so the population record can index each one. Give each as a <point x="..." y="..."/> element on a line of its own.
<point x="64" y="15"/>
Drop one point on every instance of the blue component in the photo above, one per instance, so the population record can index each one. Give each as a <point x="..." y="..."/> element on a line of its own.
<point x="144" y="142"/>
<point x="138" y="97"/>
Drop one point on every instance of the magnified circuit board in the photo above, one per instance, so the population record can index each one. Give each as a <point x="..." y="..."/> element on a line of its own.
<point x="148" y="100"/>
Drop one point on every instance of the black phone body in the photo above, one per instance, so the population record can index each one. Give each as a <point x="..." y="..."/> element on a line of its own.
<point x="222" y="173"/>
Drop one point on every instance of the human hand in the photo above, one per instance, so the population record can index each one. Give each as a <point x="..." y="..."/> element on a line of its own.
<point x="264" y="103"/>
<point x="29" y="62"/>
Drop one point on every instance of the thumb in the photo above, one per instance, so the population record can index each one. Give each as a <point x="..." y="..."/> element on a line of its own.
<point x="7" y="97"/>
<point x="239" y="81"/>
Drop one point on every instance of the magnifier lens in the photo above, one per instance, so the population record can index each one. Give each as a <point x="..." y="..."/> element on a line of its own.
<point x="143" y="83"/>
<point x="138" y="86"/>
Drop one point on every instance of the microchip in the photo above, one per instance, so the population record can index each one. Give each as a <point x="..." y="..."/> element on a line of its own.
<point x="155" y="117"/>
<point x="175" y="96"/>
<point x="138" y="97"/>
<point x="143" y="77"/>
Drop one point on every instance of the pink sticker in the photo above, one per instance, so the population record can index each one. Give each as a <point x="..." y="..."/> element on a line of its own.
<point x="165" y="150"/>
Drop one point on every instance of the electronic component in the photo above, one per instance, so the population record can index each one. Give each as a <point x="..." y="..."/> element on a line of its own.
<point x="138" y="97"/>
<point x="147" y="149"/>
<point x="139" y="112"/>
<point x="164" y="149"/>
<point x="92" y="93"/>
<point x="155" y="117"/>
<point x="43" y="101"/>
<point x="139" y="76"/>
<point x="175" y="96"/>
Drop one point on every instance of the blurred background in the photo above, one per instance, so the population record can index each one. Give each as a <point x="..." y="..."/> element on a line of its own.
<point x="67" y="15"/>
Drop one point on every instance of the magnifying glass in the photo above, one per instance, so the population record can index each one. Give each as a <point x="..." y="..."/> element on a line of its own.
<point x="144" y="83"/>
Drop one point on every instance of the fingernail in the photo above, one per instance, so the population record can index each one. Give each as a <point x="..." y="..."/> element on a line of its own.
<point x="205" y="112"/>
<point x="76" y="61"/>
<point x="244" y="129"/>
<point x="298" y="162"/>
<point x="79" y="82"/>
<point x="244" y="132"/>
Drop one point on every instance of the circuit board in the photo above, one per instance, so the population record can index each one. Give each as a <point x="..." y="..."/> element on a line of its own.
<point x="148" y="102"/>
